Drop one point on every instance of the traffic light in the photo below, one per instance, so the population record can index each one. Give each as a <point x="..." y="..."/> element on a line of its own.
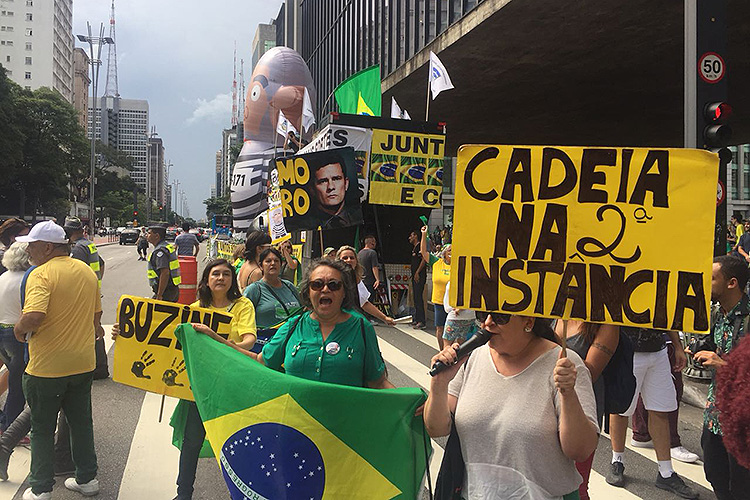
<point x="135" y="213"/>
<point x="717" y="133"/>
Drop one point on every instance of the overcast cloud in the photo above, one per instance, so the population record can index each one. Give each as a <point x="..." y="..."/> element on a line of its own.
<point x="178" y="56"/>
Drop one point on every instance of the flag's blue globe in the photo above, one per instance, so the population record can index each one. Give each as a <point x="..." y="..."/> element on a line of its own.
<point x="435" y="73"/>
<point x="273" y="461"/>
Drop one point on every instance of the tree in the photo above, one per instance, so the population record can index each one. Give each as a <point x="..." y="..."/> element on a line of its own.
<point x="218" y="206"/>
<point x="44" y="151"/>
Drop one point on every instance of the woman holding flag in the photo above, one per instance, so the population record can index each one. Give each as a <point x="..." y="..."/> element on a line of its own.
<point x="331" y="342"/>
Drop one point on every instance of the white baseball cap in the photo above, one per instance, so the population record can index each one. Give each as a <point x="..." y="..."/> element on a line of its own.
<point x="46" y="231"/>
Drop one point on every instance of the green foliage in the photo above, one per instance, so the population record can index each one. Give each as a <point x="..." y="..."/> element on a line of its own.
<point x="218" y="206"/>
<point x="43" y="150"/>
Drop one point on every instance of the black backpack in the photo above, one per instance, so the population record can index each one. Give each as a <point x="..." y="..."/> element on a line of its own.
<point x="619" y="381"/>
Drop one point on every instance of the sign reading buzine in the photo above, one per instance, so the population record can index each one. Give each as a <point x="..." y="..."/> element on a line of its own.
<point x="608" y="235"/>
<point x="147" y="354"/>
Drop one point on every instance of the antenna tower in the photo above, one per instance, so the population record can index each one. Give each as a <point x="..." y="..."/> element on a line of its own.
<point x="241" y="105"/>
<point x="234" y="88"/>
<point x="111" y="88"/>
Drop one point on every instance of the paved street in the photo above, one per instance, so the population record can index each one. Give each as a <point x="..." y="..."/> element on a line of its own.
<point x="138" y="462"/>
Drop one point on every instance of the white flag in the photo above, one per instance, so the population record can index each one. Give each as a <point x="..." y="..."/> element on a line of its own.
<point x="439" y="79"/>
<point x="397" y="112"/>
<point x="308" y="115"/>
<point x="284" y="126"/>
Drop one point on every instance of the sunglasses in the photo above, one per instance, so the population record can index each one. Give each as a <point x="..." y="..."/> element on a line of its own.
<point x="497" y="318"/>
<point x="333" y="285"/>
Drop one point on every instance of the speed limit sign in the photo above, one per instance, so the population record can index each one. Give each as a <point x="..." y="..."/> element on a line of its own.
<point x="711" y="67"/>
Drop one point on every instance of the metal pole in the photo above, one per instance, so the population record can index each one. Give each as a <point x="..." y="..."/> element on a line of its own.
<point x="691" y="70"/>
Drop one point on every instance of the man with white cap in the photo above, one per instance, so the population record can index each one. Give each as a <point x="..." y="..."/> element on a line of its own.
<point x="61" y="321"/>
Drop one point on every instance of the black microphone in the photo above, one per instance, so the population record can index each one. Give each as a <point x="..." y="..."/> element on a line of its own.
<point x="479" y="339"/>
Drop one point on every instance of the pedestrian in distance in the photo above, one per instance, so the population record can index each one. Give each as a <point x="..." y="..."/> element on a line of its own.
<point x="291" y="269"/>
<point x="595" y="344"/>
<point x="329" y="253"/>
<point x="653" y="376"/>
<point x="330" y="342"/>
<point x="441" y="274"/>
<point x="348" y="255"/>
<point x="460" y="324"/>
<point x="187" y="243"/>
<point x="418" y="281"/>
<point x="256" y="242"/>
<point x="163" y="269"/>
<point x="61" y="321"/>
<point x="524" y="412"/>
<point x="368" y="257"/>
<point x="142" y="244"/>
<point x="730" y="322"/>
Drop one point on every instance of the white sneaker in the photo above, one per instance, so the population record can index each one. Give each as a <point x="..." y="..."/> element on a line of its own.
<point x="29" y="495"/>
<point x="683" y="455"/>
<point x="86" y="489"/>
<point x="642" y="444"/>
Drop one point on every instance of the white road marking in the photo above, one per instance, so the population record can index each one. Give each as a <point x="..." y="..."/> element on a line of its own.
<point x="420" y="335"/>
<point x="598" y="488"/>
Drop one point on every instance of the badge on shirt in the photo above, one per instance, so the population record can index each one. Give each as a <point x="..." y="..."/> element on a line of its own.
<point x="159" y="253"/>
<point x="333" y="348"/>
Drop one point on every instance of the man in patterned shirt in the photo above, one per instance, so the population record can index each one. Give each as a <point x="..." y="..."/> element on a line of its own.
<point x="729" y="322"/>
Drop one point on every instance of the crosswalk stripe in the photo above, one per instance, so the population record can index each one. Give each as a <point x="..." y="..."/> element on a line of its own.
<point x="598" y="488"/>
<point x="693" y="472"/>
<point x="420" y="335"/>
<point x="151" y="445"/>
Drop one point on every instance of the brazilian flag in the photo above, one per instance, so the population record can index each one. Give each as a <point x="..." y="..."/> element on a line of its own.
<point x="277" y="436"/>
<point x="360" y="93"/>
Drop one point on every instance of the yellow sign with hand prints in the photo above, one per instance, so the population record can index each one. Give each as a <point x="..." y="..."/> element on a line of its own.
<point x="147" y="354"/>
<point x="594" y="234"/>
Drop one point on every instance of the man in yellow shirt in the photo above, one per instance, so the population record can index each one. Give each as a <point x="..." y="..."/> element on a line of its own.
<point x="61" y="321"/>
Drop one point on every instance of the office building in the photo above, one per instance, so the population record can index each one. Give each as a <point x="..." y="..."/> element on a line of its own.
<point x="263" y="41"/>
<point x="36" y="43"/>
<point x="217" y="186"/>
<point x="81" y="82"/>
<point x="156" y="169"/>
<point x="124" y="126"/>
<point x="228" y="141"/>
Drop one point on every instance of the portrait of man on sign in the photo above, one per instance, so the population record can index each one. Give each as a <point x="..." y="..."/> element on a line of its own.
<point x="330" y="180"/>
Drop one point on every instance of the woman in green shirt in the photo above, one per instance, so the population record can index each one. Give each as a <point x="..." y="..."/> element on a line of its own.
<point x="331" y="342"/>
<point x="275" y="299"/>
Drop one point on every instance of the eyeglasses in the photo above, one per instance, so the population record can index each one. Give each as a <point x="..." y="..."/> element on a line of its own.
<point x="333" y="285"/>
<point x="497" y="318"/>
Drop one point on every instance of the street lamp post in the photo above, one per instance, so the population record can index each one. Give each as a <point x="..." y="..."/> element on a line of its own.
<point x="96" y="62"/>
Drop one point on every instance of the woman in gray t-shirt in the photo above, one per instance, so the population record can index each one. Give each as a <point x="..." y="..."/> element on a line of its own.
<point x="523" y="413"/>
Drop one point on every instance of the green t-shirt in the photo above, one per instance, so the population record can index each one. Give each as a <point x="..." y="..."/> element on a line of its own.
<point x="269" y="310"/>
<point x="344" y="358"/>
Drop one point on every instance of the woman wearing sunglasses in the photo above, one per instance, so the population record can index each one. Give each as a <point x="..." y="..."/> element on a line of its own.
<point x="524" y="414"/>
<point x="331" y="342"/>
<point x="348" y="255"/>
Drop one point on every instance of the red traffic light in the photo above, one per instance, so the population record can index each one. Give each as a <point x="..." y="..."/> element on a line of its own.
<point x="135" y="212"/>
<point x="717" y="112"/>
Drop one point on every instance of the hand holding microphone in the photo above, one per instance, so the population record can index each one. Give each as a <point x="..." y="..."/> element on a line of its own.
<point x="450" y="356"/>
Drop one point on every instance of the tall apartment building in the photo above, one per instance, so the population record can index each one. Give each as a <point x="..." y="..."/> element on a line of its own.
<point x="228" y="139"/>
<point x="36" y="43"/>
<point x="263" y="41"/>
<point x="124" y="126"/>
<point x="156" y="169"/>
<point x="81" y="82"/>
<point x="217" y="186"/>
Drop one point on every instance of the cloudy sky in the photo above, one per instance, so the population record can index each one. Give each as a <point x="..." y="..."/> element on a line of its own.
<point x="177" y="54"/>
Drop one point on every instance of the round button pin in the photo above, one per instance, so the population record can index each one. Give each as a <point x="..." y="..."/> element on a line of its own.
<point x="333" y="348"/>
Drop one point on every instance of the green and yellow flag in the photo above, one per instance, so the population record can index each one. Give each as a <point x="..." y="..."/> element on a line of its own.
<point x="360" y="93"/>
<point x="277" y="436"/>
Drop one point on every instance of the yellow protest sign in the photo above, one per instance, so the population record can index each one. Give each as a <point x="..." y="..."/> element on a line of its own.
<point x="225" y="249"/>
<point x="147" y="354"/>
<point x="406" y="168"/>
<point x="608" y="235"/>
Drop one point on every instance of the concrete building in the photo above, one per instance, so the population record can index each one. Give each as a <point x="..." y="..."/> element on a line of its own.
<point x="156" y="170"/>
<point x="288" y="22"/>
<point x="213" y="191"/>
<point x="264" y="39"/>
<point x="168" y="201"/>
<point x="81" y="82"/>
<point x="217" y="186"/>
<point x="738" y="181"/>
<point x="36" y="43"/>
<point x="124" y="126"/>
<point x="228" y="140"/>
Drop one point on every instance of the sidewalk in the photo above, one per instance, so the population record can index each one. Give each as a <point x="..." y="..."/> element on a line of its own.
<point x="100" y="241"/>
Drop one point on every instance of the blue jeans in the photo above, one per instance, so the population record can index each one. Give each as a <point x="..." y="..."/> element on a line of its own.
<point x="192" y="442"/>
<point x="12" y="353"/>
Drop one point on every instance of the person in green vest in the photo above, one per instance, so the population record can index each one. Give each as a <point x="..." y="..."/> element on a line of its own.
<point x="85" y="250"/>
<point x="163" y="266"/>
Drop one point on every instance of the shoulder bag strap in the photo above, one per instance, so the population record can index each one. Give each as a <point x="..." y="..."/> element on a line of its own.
<point x="364" y="354"/>
<point x="270" y="289"/>
<point x="291" y="331"/>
